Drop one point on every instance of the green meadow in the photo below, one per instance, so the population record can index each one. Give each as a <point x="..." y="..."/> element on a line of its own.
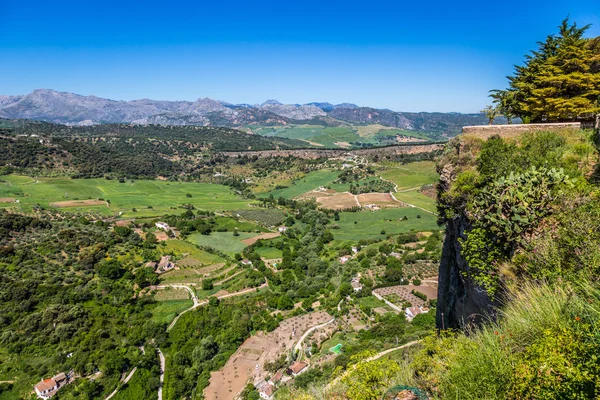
<point x="223" y="241"/>
<point x="369" y="224"/>
<point x="418" y="199"/>
<point x="166" y="311"/>
<point x="148" y="197"/>
<point x="181" y="247"/>
<point x="310" y="182"/>
<point x="412" y="175"/>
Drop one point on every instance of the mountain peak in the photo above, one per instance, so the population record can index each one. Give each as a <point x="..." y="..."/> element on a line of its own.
<point x="271" y="101"/>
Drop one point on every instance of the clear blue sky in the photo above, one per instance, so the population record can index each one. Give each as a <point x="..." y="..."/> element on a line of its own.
<point x="406" y="56"/>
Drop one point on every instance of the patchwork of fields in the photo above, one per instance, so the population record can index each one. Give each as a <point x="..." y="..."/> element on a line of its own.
<point x="147" y="197"/>
<point x="341" y="136"/>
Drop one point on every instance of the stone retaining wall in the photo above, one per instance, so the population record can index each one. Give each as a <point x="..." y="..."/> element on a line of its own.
<point x="485" y="131"/>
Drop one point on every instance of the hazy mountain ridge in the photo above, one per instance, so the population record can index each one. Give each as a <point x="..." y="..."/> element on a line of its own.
<point x="74" y="109"/>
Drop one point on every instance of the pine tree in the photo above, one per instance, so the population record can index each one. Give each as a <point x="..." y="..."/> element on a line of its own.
<point x="560" y="81"/>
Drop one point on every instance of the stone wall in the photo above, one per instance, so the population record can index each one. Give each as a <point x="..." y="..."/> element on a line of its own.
<point x="485" y="131"/>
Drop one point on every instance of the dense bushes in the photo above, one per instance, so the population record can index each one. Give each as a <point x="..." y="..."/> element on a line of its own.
<point x="545" y="346"/>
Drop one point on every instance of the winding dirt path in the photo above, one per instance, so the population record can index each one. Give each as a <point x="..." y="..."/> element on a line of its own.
<point x="163" y="366"/>
<point x="373" y="358"/>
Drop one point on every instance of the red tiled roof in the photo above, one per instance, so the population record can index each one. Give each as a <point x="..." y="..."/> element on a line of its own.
<point x="298" y="366"/>
<point x="268" y="389"/>
<point x="46" y="384"/>
<point x="277" y="377"/>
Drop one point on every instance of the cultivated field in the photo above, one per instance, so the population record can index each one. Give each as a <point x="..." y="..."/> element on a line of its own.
<point x="403" y="293"/>
<point x="254" y="239"/>
<point x="370" y="224"/>
<point x="338" y="201"/>
<point x="79" y="203"/>
<point x="418" y="199"/>
<point x="379" y="199"/>
<point x="147" y="197"/>
<point x="247" y="363"/>
<point x="310" y="182"/>
<point x="223" y="241"/>
<point x="412" y="175"/>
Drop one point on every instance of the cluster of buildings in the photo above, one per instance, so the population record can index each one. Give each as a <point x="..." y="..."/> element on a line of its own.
<point x="47" y="388"/>
<point x="266" y="389"/>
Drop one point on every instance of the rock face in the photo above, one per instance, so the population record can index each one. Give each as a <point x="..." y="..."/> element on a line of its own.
<point x="460" y="301"/>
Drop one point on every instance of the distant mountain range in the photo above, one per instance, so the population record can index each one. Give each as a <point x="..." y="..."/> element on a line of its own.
<point x="74" y="109"/>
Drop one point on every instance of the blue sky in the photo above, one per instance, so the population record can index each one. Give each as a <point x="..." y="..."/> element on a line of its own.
<point x="417" y="56"/>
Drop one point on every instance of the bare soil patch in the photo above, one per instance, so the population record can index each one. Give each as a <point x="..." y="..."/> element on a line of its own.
<point x="267" y="235"/>
<point x="247" y="363"/>
<point x="161" y="236"/>
<point x="380" y="199"/>
<point x="171" y="294"/>
<point x="78" y="203"/>
<point x="343" y="145"/>
<point x="338" y="201"/>
<point x="124" y="222"/>
<point x="7" y="200"/>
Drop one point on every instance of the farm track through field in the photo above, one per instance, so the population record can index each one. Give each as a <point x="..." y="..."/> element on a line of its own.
<point x="204" y="302"/>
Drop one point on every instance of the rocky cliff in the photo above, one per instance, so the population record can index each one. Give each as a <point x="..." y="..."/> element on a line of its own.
<point x="460" y="301"/>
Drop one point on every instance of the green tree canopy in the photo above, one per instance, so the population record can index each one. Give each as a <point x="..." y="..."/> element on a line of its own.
<point x="560" y="81"/>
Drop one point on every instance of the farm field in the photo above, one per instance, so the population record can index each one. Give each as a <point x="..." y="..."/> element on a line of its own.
<point x="268" y="252"/>
<point x="181" y="247"/>
<point x="412" y="175"/>
<point x="223" y="241"/>
<point x="165" y="311"/>
<point x="418" y="199"/>
<point x="340" y="136"/>
<point x="369" y="224"/>
<point x="163" y="197"/>
<point x="310" y="182"/>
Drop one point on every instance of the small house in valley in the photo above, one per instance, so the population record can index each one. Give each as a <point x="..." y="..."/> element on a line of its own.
<point x="297" y="368"/>
<point x="165" y="264"/>
<point x="47" y="388"/>
<point x="267" y="391"/>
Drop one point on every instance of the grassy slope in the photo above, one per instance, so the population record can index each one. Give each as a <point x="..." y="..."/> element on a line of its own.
<point x="166" y="311"/>
<point x="140" y="194"/>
